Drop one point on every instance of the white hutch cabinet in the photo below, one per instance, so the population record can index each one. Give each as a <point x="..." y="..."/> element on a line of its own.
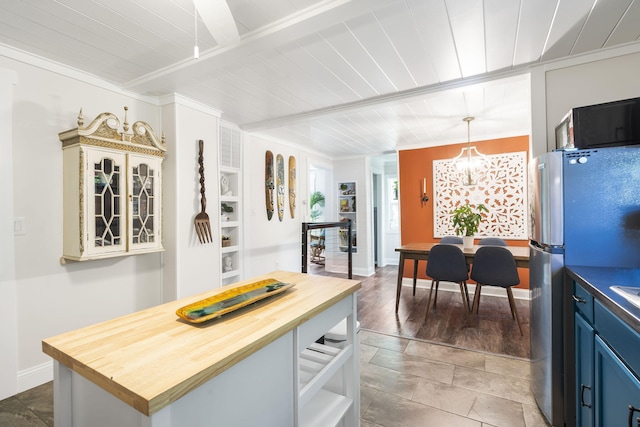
<point x="112" y="189"/>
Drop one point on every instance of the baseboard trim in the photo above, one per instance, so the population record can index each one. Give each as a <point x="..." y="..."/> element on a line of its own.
<point x="522" y="294"/>
<point x="35" y="376"/>
<point x="355" y="271"/>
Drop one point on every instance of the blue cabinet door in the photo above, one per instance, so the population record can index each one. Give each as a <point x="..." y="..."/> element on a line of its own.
<point x="616" y="388"/>
<point x="584" y="342"/>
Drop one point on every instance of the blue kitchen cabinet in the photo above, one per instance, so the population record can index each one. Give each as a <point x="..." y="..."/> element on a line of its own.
<point x="607" y="389"/>
<point x="617" y="390"/>
<point x="584" y="340"/>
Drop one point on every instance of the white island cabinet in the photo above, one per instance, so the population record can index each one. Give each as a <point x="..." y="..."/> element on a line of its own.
<point x="259" y="365"/>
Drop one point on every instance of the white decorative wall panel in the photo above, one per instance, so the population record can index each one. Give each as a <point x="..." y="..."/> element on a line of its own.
<point x="502" y="187"/>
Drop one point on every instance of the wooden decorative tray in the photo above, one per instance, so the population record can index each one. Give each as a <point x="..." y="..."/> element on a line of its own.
<point x="233" y="299"/>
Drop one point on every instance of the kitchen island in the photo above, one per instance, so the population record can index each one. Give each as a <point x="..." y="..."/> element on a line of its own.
<point x="259" y="365"/>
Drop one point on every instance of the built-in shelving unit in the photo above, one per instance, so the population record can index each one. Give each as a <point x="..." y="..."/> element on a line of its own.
<point x="318" y="364"/>
<point x="327" y="383"/>
<point x="347" y="210"/>
<point x="230" y="188"/>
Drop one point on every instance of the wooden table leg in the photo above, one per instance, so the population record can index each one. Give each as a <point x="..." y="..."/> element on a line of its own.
<point x="415" y="275"/>
<point x="399" y="285"/>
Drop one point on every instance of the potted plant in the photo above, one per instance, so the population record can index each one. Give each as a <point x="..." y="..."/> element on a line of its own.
<point x="225" y="210"/>
<point x="466" y="221"/>
<point x="316" y="201"/>
<point x="226" y="241"/>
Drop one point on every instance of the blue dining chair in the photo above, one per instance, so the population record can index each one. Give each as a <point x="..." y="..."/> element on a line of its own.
<point x="495" y="266"/>
<point x="492" y="241"/>
<point x="451" y="240"/>
<point x="447" y="263"/>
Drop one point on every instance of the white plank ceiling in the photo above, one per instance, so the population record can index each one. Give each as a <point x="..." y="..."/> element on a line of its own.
<point x="343" y="77"/>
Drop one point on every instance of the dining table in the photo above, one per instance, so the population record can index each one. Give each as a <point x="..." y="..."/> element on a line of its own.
<point x="420" y="251"/>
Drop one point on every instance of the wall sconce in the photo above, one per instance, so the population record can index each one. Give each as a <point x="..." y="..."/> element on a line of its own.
<point x="424" y="197"/>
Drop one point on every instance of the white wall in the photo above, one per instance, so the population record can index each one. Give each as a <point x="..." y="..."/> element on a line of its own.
<point x="189" y="267"/>
<point x="8" y="310"/>
<point x="591" y="83"/>
<point x="272" y="245"/>
<point x="52" y="298"/>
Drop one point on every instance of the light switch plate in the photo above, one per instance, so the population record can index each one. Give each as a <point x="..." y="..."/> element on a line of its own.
<point x="19" y="226"/>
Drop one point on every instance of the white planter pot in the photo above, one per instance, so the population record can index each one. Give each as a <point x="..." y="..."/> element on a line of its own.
<point x="467" y="242"/>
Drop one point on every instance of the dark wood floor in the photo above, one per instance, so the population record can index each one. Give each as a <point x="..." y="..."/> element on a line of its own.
<point x="494" y="330"/>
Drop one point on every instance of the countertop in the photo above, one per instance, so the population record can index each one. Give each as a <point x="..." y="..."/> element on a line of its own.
<point x="598" y="281"/>
<point x="151" y="358"/>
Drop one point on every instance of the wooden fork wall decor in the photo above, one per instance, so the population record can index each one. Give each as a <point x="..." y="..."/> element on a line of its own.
<point x="202" y="224"/>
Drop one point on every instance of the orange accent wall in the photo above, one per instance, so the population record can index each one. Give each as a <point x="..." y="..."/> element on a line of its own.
<point x="416" y="218"/>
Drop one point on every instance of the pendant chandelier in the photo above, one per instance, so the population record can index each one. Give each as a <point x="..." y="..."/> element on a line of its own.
<point x="470" y="161"/>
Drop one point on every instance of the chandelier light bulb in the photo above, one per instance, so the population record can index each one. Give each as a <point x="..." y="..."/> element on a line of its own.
<point x="469" y="162"/>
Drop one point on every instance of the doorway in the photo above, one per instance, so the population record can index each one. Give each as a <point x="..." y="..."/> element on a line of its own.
<point x="385" y="205"/>
<point x="319" y="209"/>
<point x="376" y="186"/>
<point x="319" y="197"/>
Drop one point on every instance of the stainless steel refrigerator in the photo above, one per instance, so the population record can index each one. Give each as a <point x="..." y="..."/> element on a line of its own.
<point x="584" y="210"/>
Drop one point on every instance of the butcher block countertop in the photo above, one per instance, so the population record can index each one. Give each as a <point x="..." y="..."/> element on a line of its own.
<point x="151" y="358"/>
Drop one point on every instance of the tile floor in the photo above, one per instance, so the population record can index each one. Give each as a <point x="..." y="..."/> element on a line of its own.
<point x="31" y="408"/>
<point x="406" y="382"/>
<point x="403" y="382"/>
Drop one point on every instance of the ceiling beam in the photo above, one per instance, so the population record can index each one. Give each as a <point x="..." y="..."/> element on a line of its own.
<point x="386" y="99"/>
<point x="292" y="27"/>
